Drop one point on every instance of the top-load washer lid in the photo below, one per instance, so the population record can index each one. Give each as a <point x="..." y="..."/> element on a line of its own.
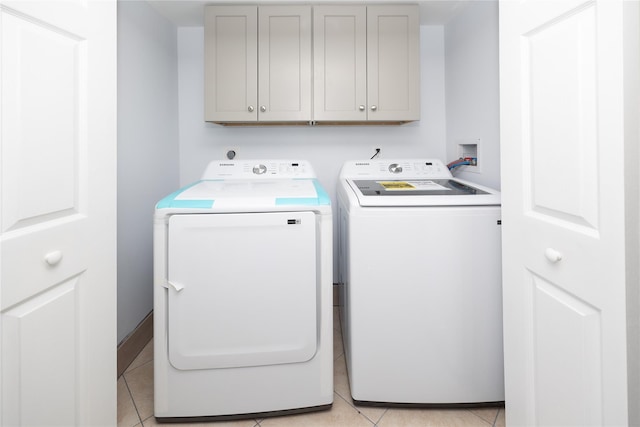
<point x="412" y="182"/>
<point x="251" y="184"/>
<point x="415" y="187"/>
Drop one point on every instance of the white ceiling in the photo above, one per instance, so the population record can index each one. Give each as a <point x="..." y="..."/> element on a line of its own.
<point x="189" y="13"/>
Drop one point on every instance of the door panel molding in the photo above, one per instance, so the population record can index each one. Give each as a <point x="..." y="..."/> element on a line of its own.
<point x="42" y="325"/>
<point x="560" y="132"/>
<point x="567" y="350"/>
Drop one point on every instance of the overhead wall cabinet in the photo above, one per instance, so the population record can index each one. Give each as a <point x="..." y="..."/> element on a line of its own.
<point x="258" y="64"/>
<point x="366" y="63"/>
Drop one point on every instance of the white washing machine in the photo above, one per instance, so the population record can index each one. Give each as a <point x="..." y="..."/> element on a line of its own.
<point x="243" y="293"/>
<point x="420" y="277"/>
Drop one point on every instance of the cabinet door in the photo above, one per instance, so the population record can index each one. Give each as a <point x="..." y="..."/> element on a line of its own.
<point x="393" y="54"/>
<point x="340" y="62"/>
<point x="284" y="63"/>
<point x="231" y="54"/>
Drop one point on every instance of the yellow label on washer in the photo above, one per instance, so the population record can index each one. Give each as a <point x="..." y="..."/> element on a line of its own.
<point x="396" y="185"/>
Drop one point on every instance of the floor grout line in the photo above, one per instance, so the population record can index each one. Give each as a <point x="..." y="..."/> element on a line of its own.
<point x="132" y="400"/>
<point x="148" y="418"/>
<point x="495" y="420"/>
<point x="485" y="421"/>
<point x="373" y="423"/>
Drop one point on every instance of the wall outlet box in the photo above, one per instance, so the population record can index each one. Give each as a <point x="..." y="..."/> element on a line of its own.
<point x="471" y="148"/>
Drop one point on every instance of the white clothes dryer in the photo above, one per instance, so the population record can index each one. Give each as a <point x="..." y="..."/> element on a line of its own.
<point x="420" y="284"/>
<point x="243" y="293"/>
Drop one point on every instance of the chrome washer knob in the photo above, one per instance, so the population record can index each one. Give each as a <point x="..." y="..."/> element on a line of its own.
<point x="395" y="168"/>
<point x="259" y="169"/>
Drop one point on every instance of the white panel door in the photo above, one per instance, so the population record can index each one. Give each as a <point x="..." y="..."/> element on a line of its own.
<point x="393" y="56"/>
<point x="231" y="63"/>
<point x="57" y="218"/>
<point x="562" y="139"/>
<point x="340" y="62"/>
<point x="284" y="63"/>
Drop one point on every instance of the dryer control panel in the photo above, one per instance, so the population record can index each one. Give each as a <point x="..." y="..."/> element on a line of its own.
<point x="258" y="169"/>
<point x="403" y="168"/>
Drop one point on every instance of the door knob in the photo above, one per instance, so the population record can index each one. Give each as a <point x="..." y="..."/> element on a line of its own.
<point x="361" y="108"/>
<point x="263" y="108"/>
<point x="553" y="255"/>
<point x="374" y="107"/>
<point x="53" y="258"/>
<point x="250" y="108"/>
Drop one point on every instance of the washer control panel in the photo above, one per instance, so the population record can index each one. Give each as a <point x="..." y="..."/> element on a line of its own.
<point x="404" y="169"/>
<point x="258" y="169"/>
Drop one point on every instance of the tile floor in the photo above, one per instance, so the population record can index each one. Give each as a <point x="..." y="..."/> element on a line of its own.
<point x="135" y="404"/>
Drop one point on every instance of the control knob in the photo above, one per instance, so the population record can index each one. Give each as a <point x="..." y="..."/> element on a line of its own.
<point x="395" y="168"/>
<point x="259" y="169"/>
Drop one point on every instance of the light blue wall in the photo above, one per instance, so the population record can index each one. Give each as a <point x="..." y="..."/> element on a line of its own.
<point x="147" y="148"/>
<point x="473" y="87"/>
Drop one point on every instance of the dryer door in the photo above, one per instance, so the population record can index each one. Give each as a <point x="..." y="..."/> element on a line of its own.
<point x="242" y="289"/>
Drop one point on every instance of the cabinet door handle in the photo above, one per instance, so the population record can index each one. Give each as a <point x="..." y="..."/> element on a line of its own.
<point x="362" y="108"/>
<point x="263" y="108"/>
<point x="250" y="109"/>
<point x="374" y="107"/>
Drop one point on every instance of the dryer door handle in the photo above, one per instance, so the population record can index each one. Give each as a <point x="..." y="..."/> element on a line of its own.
<point x="177" y="286"/>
